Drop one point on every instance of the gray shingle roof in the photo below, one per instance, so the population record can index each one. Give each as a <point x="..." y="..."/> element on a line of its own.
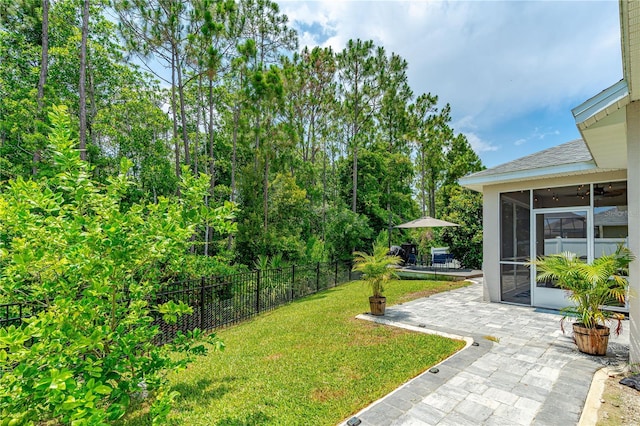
<point x="567" y="153"/>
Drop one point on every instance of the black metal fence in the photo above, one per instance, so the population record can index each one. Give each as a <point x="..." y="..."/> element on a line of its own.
<point x="223" y="300"/>
<point x="12" y="313"/>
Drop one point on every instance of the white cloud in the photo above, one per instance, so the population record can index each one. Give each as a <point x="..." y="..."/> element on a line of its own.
<point x="536" y="135"/>
<point x="465" y="123"/>
<point x="492" y="61"/>
<point x="478" y="144"/>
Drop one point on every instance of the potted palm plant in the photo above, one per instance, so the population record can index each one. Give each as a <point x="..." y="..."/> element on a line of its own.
<point x="591" y="287"/>
<point x="377" y="270"/>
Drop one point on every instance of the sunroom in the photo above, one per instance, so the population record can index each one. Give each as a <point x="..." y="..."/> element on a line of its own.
<point x="549" y="202"/>
<point x="609" y="123"/>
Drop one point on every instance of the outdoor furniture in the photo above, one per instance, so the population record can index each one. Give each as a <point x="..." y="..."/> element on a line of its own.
<point x="442" y="260"/>
<point x="439" y="250"/>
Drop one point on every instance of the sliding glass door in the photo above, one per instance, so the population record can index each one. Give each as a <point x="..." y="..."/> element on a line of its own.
<point x="558" y="231"/>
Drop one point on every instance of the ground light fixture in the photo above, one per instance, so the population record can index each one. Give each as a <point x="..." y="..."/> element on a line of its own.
<point x="354" y="421"/>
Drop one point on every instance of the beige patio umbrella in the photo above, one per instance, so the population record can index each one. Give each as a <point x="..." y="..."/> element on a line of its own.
<point x="426" y="222"/>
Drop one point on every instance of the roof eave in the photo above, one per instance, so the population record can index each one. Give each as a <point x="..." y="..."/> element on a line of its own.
<point x="601" y="105"/>
<point x="478" y="182"/>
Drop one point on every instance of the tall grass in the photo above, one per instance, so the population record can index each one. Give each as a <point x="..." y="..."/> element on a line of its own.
<point x="310" y="362"/>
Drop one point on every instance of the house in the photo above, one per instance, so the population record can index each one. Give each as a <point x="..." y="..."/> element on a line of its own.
<point x="582" y="196"/>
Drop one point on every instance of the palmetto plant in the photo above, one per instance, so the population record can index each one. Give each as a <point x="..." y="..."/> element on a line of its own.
<point x="591" y="286"/>
<point x="375" y="267"/>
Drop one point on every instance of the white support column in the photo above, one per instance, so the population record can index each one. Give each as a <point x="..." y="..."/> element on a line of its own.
<point x="633" y="185"/>
<point x="491" y="244"/>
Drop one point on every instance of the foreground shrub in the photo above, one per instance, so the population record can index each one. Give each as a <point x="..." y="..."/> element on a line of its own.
<point x="91" y="264"/>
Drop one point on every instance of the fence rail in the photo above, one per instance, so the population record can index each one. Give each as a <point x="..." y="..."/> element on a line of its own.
<point x="220" y="301"/>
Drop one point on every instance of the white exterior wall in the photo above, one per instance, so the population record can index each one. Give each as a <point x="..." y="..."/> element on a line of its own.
<point x="491" y="220"/>
<point x="633" y="161"/>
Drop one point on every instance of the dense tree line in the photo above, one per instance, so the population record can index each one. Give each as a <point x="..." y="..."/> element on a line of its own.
<point x="320" y="150"/>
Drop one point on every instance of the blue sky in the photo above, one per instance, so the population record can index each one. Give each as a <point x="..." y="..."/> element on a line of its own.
<point x="511" y="70"/>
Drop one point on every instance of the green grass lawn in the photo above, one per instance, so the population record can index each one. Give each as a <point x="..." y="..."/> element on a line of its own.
<point x="310" y="362"/>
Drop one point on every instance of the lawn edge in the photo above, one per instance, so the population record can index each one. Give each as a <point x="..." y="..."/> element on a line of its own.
<point x="384" y="321"/>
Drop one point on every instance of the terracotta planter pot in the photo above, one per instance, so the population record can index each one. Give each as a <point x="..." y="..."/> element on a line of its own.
<point x="592" y="341"/>
<point x="377" y="305"/>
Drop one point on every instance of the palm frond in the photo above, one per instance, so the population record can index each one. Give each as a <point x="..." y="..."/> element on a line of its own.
<point x="376" y="268"/>
<point x="590" y="286"/>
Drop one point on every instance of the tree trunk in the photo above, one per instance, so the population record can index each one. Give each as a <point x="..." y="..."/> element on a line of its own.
<point x="206" y="230"/>
<point x="92" y="102"/>
<point x="432" y="200"/>
<point x="423" y="183"/>
<point x="356" y="130"/>
<point x="183" y="114"/>
<point x="312" y="137"/>
<point x="236" y="120"/>
<point x="212" y="159"/>
<point x="44" y="68"/>
<point x="354" y="196"/>
<point x="257" y="143"/>
<point x="199" y="107"/>
<point x="212" y="167"/>
<point x="324" y="192"/>
<point x="389" y="211"/>
<point x="265" y="192"/>
<point x="174" y="115"/>
<point x="44" y="61"/>
<point x="83" y="77"/>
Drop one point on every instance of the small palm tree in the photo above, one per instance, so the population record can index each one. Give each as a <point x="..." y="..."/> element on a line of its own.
<point x="591" y="286"/>
<point x="375" y="268"/>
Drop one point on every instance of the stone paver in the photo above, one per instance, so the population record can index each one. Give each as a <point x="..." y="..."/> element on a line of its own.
<point x="527" y="373"/>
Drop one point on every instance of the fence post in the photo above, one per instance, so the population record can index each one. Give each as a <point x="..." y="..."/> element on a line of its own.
<point x="349" y="269"/>
<point x="317" y="277"/>
<point x="335" y="281"/>
<point x="258" y="276"/>
<point x="293" y="280"/>
<point x="202" y="310"/>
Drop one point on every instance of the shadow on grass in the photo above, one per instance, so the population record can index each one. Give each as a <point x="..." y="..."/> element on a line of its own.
<point x="203" y="389"/>
<point x="322" y="294"/>
<point x="137" y="415"/>
<point x="190" y="395"/>
<point x="257" y="418"/>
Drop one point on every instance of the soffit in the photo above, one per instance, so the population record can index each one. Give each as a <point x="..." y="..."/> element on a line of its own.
<point x="606" y="139"/>
<point x="601" y="121"/>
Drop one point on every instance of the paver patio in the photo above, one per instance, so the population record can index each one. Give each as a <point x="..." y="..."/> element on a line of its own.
<point x="531" y="375"/>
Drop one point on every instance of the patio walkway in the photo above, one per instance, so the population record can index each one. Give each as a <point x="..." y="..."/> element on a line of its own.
<point x="533" y="375"/>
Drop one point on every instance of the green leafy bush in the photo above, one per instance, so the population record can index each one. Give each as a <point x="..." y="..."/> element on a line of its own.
<point x="194" y="266"/>
<point x="464" y="241"/>
<point x="93" y="265"/>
